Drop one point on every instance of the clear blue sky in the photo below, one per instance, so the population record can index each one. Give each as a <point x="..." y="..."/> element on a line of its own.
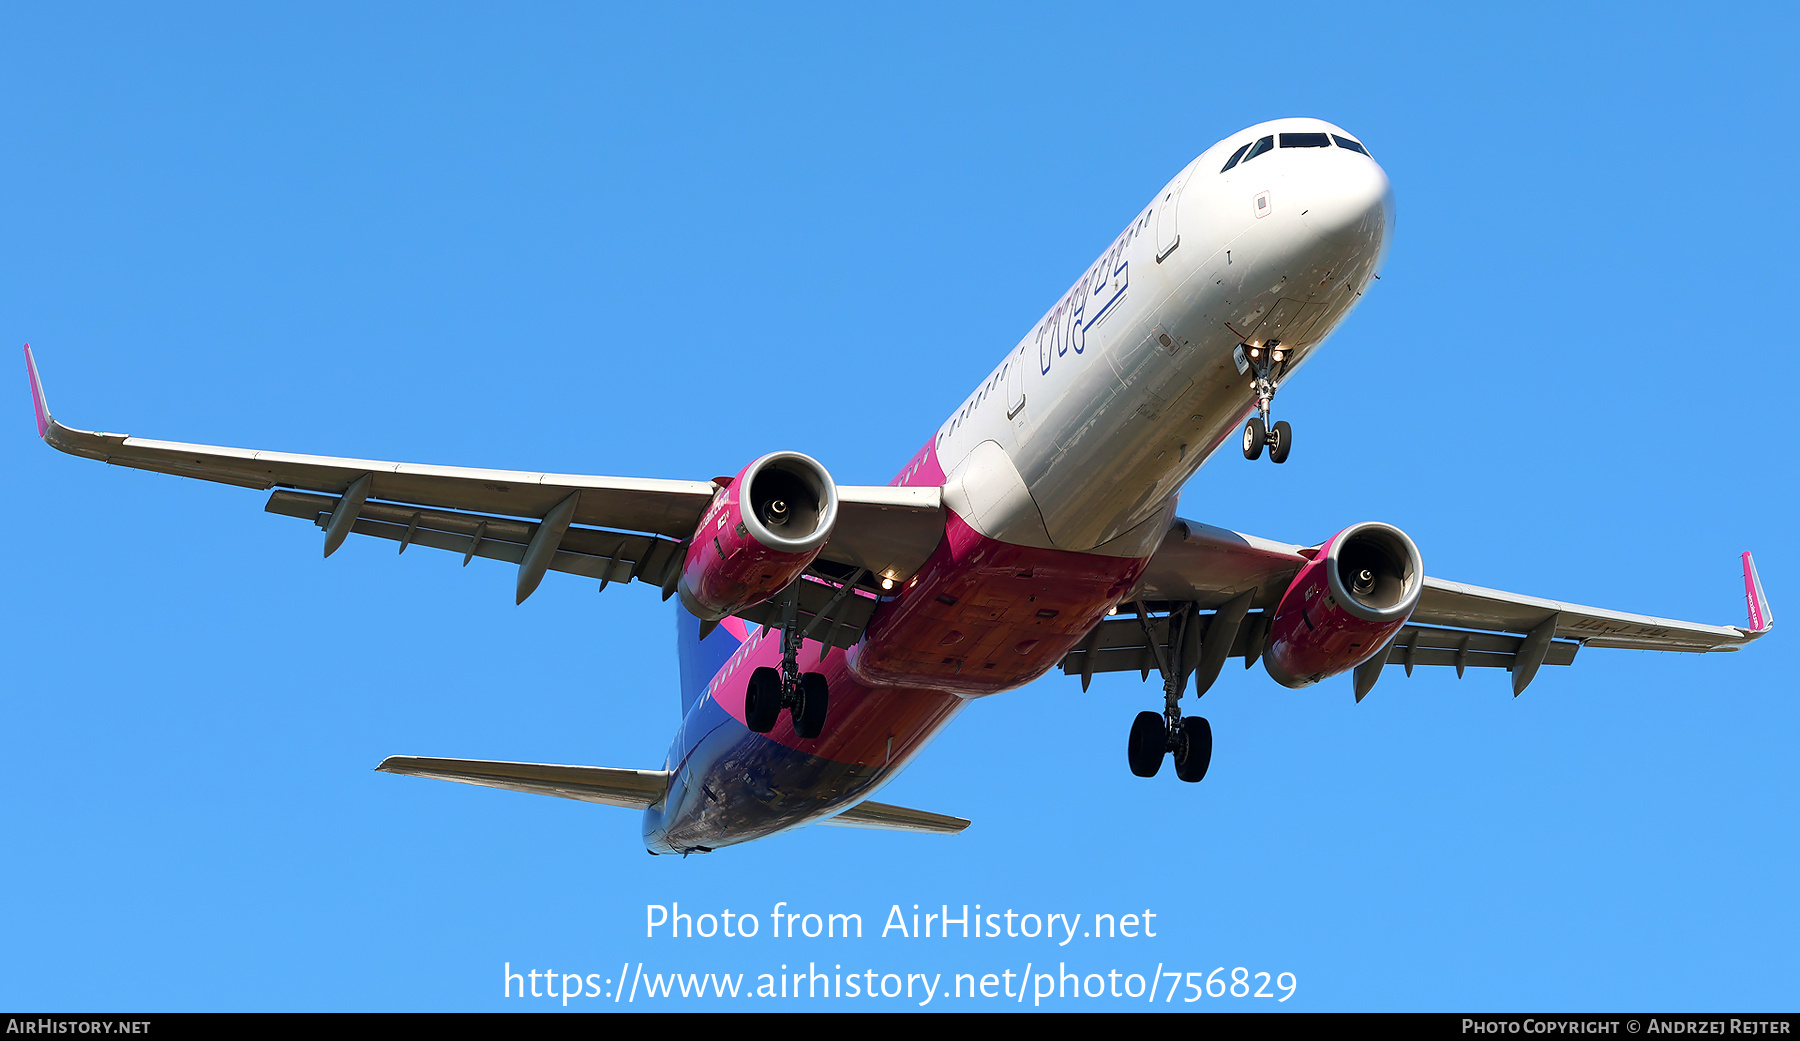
<point x="588" y="240"/>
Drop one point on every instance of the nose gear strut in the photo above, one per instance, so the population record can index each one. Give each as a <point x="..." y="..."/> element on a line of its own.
<point x="1269" y="362"/>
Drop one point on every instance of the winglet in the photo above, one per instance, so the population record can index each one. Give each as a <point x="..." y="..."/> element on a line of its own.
<point x="37" y="394"/>
<point x="89" y="444"/>
<point x="1762" y="619"/>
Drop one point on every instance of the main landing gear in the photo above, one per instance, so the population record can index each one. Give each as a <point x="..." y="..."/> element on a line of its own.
<point x="1153" y="735"/>
<point x="804" y="695"/>
<point x="1268" y="361"/>
<point x="1190" y="741"/>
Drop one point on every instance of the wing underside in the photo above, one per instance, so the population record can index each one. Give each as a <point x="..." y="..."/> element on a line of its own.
<point x="606" y="529"/>
<point x="828" y="613"/>
<point x="1208" y="584"/>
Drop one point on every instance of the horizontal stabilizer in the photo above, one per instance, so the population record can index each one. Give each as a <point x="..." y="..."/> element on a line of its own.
<point x="886" y="817"/>
<point x="633" y="789"/>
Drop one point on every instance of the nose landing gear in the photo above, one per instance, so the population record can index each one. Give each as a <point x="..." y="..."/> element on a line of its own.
<point x="1268" y="361"/>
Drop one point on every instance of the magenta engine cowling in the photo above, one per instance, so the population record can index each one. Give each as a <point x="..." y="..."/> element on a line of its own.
<point x="761" y="531"/>
<point x="1344" y="605"/>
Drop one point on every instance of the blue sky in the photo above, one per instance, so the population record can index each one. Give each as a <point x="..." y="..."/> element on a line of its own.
<point x="581" y="239"/>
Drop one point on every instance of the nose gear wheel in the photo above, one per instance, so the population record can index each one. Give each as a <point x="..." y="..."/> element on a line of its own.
<point x="1255" y="436"/>
<point x="1281" y="441"/>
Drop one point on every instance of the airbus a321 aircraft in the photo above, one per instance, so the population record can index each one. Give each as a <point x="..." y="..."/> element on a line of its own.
<point x="830" y="631"/>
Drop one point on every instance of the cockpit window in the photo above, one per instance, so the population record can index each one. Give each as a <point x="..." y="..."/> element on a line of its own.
<point x="1354" y="146"/>
<point x="1306" y="140"/>
<point x="1260" y="147"/>
<point x="1235" y="156"/>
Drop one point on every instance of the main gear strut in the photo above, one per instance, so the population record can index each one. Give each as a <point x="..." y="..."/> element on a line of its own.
<point x="805" y="695"/>
<point x="1188" y="739"/>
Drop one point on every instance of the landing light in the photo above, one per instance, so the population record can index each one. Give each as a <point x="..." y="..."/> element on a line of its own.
<point x="887" y="583"/>
<point x="1279" y="355"/>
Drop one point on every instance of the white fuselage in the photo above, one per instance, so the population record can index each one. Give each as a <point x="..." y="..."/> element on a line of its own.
<point x="1081" y="437"/>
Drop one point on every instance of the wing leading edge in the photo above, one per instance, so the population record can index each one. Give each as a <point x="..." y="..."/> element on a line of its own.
<point x="475" y="511"/>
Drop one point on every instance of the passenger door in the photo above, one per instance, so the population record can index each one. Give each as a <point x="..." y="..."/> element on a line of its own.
<point x="1168" y="230"/>
<point x="1015" y="396"/>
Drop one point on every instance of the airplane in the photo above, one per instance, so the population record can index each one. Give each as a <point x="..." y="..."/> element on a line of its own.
<point x="827" y="632"/>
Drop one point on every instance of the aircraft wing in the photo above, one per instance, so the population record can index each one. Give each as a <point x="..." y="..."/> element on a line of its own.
<point x="1223" y="583"/>
<point x="500" y="514"/>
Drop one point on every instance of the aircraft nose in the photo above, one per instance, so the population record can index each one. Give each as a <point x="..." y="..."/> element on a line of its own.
<point x="1350" y="201"/>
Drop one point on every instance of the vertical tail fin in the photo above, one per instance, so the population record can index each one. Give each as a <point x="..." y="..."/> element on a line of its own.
<point x="1762" y="619"/>
<point x="701" y="659"/>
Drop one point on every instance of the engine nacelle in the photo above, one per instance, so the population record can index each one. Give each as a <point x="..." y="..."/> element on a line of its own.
<point x="1344" y="605"/>
<point x="761" y="531"/>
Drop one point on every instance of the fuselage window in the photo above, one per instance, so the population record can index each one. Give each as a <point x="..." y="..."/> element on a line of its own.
<point x="1260" y="147"/>
<point x="1306" y="140"/>
<point x="1354" y="146"/>
<point x="1235" y="156"/>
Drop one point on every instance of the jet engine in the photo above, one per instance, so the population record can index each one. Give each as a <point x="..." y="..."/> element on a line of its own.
<point x="1346" y="604"/>
<point x="761" y="531"/>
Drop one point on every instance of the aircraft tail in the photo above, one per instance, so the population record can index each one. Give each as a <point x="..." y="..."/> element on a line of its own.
<point x="700" y="659"/>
